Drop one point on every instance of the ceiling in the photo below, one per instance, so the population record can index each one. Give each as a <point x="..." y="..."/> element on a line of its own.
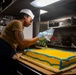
<point x="60" y="9"/>
<point x="56" y="10"/>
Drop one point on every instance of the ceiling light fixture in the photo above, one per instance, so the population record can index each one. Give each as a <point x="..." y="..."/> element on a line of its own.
<point x="42" y="3"/>
<point x="43" y="11"/>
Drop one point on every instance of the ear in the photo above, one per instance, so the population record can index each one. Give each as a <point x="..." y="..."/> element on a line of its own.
<point x="25" y="17"/>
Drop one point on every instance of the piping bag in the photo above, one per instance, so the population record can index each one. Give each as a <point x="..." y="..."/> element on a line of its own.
<point x="47" y="35"/>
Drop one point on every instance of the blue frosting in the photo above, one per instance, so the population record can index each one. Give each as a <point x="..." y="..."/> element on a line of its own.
<point x="60" y="65"/>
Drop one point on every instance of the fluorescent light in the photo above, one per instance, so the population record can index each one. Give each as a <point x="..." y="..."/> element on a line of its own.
<point x="42" y="3"/>
<point x="43" y="12"/>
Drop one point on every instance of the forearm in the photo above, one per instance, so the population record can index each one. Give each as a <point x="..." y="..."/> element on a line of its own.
<point x="23" y="42"/>
<point x="27" y="42"/>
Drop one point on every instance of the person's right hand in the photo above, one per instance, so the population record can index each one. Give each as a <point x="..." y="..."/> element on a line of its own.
<point x="41" y="40"/>
<point x="41" y="35"/>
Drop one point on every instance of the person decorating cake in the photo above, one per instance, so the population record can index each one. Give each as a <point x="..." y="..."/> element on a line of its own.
<point x="12" y="37"/>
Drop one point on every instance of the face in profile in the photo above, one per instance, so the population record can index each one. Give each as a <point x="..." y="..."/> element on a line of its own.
<point x="27" y="21"/>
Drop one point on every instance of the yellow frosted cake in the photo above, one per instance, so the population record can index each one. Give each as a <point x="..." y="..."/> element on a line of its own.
<point x="48" y="57"/>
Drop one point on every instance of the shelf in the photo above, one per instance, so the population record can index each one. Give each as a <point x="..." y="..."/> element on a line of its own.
<point x="63" y="26"/>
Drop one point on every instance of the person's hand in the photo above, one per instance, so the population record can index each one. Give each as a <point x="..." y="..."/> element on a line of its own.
<point x="42" y="39"/>
<point x="40" y="35"/>
<point x="41" y="43"/>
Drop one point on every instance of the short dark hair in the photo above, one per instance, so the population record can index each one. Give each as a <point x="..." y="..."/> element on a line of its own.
<point x="21" y="15"/>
